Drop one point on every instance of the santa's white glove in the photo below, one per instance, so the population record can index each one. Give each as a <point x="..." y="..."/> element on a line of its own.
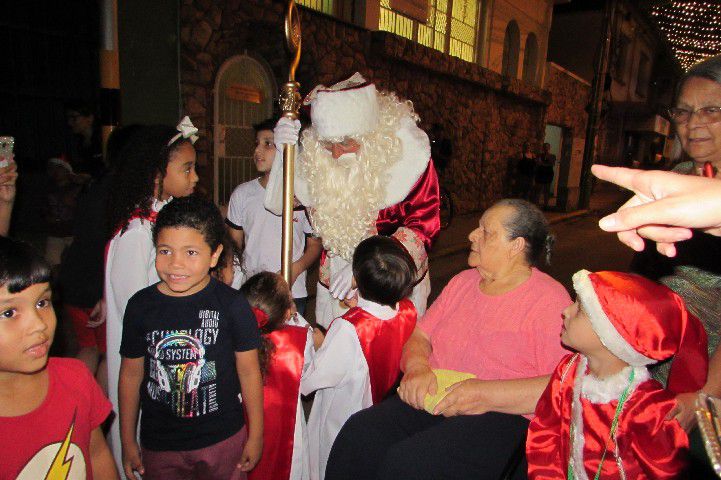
<point x="273" y="200"/>
<point x="341" y="283"/>
<point x="286" y="133"/>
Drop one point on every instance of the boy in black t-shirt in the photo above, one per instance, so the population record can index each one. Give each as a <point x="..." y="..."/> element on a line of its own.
<point x="189" y="348"/>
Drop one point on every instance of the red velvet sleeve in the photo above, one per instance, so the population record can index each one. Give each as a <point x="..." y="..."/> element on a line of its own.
<point x="547" y="459"/>
<point x="659" y="446"/>
<point x="418" y="211"/>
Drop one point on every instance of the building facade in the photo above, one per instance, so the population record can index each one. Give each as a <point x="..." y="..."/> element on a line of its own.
<point x="232" y="59"/>
<point x="476" y="71"/>
<point x="639" y="85"/>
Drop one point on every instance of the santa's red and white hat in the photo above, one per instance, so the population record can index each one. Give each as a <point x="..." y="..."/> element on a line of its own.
<point x="348" y="108"/>
<point x="643" y="322"/>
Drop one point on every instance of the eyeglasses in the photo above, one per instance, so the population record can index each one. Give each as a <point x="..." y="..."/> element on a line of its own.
<point x="704" y="115"/>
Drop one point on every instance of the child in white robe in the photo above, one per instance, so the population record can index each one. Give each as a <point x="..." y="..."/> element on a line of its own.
<point x="357" y="363"/>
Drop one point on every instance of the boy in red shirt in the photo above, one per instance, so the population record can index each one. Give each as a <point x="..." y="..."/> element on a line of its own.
<point x="50" y="409"/>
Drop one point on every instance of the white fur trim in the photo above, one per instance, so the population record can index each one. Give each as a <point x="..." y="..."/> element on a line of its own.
<point x="341" y="113"/>
<point x="602" y="325"/>
<point x="579" y="442"/>
<point x="416" y="153"/>
<point x="61" y="163"/>
<point x="402" y="176"/>
<point x="576" y="458"/>
<point x="300" y="187"/>
<point x="604" y="390"/>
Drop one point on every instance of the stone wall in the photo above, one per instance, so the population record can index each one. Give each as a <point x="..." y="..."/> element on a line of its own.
<point x="570" y="95"/>
<point x="486" y="117"/>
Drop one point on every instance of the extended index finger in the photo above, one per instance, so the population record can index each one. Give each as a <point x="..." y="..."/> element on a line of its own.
<point x="665" y="212"/>
<point x="623" y="177"/>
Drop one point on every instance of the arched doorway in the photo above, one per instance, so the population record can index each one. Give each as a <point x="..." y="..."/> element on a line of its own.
<point x="243" y="95"/>
<point x="511" y="45"/>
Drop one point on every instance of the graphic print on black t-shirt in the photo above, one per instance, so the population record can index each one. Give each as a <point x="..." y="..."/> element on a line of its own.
<point x="189" y="392"/>
<point x="180" y="376"/>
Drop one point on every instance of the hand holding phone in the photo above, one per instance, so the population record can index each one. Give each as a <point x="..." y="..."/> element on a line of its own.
<point x="7" y="144"/>
<point x="8" y="174"/>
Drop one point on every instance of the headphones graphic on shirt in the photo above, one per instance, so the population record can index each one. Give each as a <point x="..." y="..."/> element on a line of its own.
<point x="188" y="374"/>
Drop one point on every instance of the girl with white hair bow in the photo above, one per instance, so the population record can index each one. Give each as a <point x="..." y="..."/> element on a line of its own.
<point x="159" y="164"/>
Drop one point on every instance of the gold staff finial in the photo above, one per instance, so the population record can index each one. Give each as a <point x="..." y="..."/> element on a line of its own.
<point x="290" y="104"/>
<point x="292" y="37"/>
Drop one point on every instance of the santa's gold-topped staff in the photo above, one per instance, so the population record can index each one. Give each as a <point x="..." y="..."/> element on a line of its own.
<point x="289" y="103"/>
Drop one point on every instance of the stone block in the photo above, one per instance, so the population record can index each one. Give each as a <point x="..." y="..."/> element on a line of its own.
<point x="201" y="34"/>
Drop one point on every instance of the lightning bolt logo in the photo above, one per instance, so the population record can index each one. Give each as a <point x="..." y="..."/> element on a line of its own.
<point x="60" y="468"/>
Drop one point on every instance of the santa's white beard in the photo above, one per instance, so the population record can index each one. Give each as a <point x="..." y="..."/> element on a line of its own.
<point x="344" y="200"/>
<point x="346" y="195"/>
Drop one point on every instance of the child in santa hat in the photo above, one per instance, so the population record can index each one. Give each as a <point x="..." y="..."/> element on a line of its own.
<point x="602" y="416"/>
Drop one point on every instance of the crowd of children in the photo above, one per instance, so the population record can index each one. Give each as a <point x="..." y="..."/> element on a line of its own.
<point x="214" y="375"/>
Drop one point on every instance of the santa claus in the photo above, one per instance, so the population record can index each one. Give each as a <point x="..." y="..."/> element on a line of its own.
<point x="364" y="168"/>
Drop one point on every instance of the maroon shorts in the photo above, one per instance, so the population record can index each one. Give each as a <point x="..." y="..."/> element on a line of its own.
<point x="216" y="462"/>
<point x="87" y="336"/>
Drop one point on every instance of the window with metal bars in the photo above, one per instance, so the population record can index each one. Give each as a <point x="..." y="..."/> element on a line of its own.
<point x="325" y="6"/>
<point x="451" y="28"/>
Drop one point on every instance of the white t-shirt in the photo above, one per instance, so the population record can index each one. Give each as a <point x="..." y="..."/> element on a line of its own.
<point x="263" y="233"/>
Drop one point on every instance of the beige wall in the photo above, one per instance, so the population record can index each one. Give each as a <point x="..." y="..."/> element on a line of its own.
<point x="531" y="16"/>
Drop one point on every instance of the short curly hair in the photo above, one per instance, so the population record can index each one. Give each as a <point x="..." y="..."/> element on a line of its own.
<point x="192" y="212"/>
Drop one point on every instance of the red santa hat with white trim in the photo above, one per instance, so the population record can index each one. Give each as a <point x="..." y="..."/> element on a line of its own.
<point x="348" y="108"/>
<point x="643" y="322"/>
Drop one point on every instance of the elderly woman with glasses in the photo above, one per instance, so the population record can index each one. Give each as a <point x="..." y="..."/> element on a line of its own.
<point x="695" y="271"/>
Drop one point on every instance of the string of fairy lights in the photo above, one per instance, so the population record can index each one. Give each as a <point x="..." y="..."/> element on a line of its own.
<point x="693" y="28"/>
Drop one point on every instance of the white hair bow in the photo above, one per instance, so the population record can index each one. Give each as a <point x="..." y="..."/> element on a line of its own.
<point x="187" y="130"/>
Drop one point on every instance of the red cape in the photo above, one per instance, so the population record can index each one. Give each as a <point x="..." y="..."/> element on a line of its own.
<point x="280" y="402"/>
<point x="382" y="342"/>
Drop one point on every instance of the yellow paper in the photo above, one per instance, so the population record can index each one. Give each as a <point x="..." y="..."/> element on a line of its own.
<point x="445" y="379"/>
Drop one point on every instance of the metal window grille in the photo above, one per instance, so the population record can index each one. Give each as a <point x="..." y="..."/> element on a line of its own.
<point x="391" y="21"/>
<point x="464" y="18"/>
<point x="451" y="28"/>
<point x="325" y="6"/>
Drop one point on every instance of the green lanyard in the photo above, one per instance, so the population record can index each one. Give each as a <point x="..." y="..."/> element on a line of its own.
<point x="611" y="436"/>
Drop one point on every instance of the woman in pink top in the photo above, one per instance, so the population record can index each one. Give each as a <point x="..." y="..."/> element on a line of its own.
<point x="499" y="320"/>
